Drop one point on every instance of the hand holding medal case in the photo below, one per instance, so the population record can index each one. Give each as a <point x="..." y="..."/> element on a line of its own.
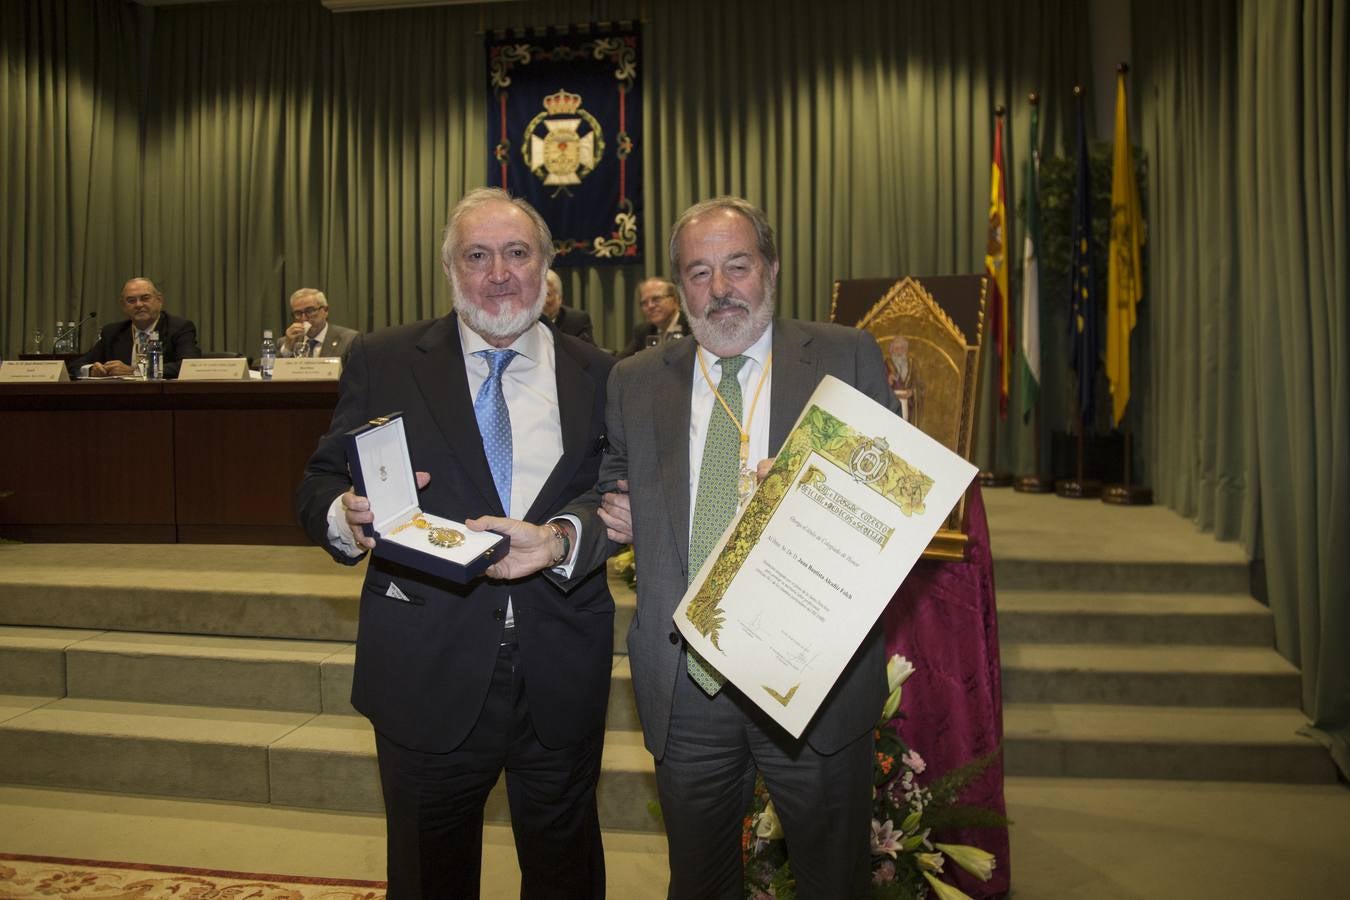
<point x="382" y="472"/>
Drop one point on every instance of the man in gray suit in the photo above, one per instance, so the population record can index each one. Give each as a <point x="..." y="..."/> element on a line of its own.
<point x="311" y="334"/>
<point x="677" y="418"/>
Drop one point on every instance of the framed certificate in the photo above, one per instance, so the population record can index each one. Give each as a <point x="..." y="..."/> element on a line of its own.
<point x="809" y="564"/>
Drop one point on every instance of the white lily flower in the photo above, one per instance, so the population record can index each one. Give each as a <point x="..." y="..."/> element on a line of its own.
<point x="929" y="862"/>
<point x="767" y="825"/>
<point x="885" y="839"/>
<point x="977" y="862"/>
<point x="898" y="670"/>
<point x="944" y="891"/>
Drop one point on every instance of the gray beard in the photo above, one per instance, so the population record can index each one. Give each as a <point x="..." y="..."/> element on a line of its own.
<point x="499" y="326"/>
<point x="729" y="337"/>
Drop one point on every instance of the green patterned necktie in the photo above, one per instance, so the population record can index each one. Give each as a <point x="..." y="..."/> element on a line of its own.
<point x="717" y="497"/>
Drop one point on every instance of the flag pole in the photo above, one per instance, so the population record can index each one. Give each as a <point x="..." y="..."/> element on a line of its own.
<point x="994" y="476"/>
<point x="1126" y="241"/>
<point x="1036" y="482"/>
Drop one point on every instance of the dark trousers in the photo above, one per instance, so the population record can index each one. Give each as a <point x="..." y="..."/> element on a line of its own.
<point x="434" y="805"/>
<point x="706" y="779"/>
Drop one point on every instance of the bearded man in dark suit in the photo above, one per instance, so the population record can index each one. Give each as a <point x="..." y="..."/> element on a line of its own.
<point x="463" y="681"/>
<point x="707" y="738"/>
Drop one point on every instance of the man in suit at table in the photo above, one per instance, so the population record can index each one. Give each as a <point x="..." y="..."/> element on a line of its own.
<point x="462" y="681"/>
<point x="675" y="420"/>
<point x="311" y="334"/>
<point x="576" y="322"/>
<point x="121" y="344"/>
<point x="659" y="303"/>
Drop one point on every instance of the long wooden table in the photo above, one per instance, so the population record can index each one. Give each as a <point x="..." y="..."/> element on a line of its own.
<point x="212" y="462"/>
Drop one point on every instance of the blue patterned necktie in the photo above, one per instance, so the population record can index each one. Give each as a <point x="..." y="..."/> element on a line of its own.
<point x="717" y="497"/>
<point x="494" y="422"/>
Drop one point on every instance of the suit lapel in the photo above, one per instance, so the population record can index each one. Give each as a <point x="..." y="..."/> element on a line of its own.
<point x="119" y="343"/>
<point x="438" y="369"/>
<point x="576" y="399"/>
<point x="674" y="391"/>
<point x="796" y="373"/>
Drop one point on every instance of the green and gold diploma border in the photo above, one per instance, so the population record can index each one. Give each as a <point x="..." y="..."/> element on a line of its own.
<point x="903" y="485"/>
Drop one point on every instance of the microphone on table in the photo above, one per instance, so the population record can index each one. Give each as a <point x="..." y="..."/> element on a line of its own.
<point x="74" y="327"/>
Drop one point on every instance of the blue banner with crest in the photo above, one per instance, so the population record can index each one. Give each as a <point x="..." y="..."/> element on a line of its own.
<point x="565" y="133"/>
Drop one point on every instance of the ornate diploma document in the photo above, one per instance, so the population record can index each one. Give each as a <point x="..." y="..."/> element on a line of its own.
<point x="810" y="563"/>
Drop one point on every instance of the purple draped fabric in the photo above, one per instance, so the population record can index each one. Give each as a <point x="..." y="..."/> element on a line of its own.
<point x="943" y="620"/>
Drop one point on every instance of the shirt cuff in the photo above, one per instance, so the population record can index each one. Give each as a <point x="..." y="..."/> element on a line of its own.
<point x="340" y="533"/>
<point x="564" y="568"/>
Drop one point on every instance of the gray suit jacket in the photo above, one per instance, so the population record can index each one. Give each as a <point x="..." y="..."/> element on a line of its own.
<point x="336" y="342"/>
<point x="647" y="420"/>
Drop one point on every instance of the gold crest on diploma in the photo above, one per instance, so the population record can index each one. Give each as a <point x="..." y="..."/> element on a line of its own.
<point x="564" y="143"/>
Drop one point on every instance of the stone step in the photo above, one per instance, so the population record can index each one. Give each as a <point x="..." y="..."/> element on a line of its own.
<point x="147" y="748"/>
<point x="1050" y="574"/>
<point x="1157" y="676"/>
<point x="261" y="756"/>
<point x="621" y="714"/>
<point x="256" y="673"/>
<point x="1067" y="617"/>
<point x="33" y="660"/>
<point x="1161" y="742"/>
<point x="197" y="670"/>
<point x="329" y="763"/>
<point x="286" y="593"/>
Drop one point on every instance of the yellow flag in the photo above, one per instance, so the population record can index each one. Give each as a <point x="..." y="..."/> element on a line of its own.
<point x="1124" y="286"/>
<point x="996" y="265"/>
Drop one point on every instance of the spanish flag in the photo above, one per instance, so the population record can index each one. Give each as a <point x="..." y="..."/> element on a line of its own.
<point x="996" y="267"/>
<point x="1125" y="284"/>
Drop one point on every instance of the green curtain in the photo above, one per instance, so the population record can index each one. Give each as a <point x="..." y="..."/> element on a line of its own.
<point x="1244" y="112"/>
<point x="1293" y="95"/>
<point x="286" y="146"/>
<point x="69" y="182"/>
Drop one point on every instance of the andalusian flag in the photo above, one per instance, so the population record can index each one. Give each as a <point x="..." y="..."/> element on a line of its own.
<point x="1124" y="284"/>
<point x="1030" y="331"/>
<point x="996" y="266"/>
<point x="1083" y="314"/>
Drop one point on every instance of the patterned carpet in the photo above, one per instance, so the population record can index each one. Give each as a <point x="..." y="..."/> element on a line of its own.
<point x="33" y="877"/>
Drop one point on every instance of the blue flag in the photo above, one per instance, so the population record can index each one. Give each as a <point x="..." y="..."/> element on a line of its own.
<point x="1084" y="324"/>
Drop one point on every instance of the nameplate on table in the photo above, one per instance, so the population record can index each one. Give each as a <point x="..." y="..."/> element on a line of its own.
<point x="18" y="371"/>
<point x="313" y="368"/>
<point x="213" y="370"/>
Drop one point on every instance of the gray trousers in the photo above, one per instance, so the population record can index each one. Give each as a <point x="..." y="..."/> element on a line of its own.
<point x="706" y="780"/>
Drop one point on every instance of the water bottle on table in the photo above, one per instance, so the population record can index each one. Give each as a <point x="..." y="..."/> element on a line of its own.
<point x="267" y="356"/>
<point x="154" y="358"/>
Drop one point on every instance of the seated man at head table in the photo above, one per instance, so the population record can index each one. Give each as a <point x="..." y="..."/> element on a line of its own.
<point x="311" y="334"/>
<point x="576" y="322"/>
<point x="660" y="305"/>
<point x="121" y="344"/>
